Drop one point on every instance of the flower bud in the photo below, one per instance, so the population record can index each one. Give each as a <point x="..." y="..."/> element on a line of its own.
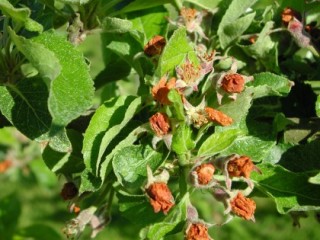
<point x="69" y="191"/>
<point x="243" y="207"/>
<point x="155" y="46"/>
<point x="160" y="196"/>
<point x="160" y="124"/>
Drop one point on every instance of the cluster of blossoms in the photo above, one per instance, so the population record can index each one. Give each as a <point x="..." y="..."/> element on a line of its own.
<point x="163" y="124"/>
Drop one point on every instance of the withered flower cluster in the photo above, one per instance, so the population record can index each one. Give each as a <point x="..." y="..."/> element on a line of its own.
<point x="185" y="84"/>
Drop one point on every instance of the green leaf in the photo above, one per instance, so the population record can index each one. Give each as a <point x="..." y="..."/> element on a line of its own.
<point x="290" y="191"/>
<point x="182" y="141"/>
<point x="133" y="207"/>
<point x="10" y="210"/>
<point x="206" y="4"/>
<point x="38" y="231"/>
<point x="128" y="141"/>
<point x="232" y="24"/>
<point x="269" y="84"/>
<point x="116" y="25"/>
<point x="264" y="48"/>
<point x="110" y="114"/>
<point x="71" y="93"/>
<point x="141" y="4"/>
<point x="40" y="57"/>
<point x="130" y="164"/>
<point x="173" y="222"/>
<point x="21" y="16"/>
<point x="218" y="142"/>
<point x="151" y="22"/>
<point x="318" y="106"/>
<point x="65" y="162"/>
<point x="175" y="52"/>
<point x="255" y="148"/>
<point x="176" y="100"/>
<point x="25" y="106"/>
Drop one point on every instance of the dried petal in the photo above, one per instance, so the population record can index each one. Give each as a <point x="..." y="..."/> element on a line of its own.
<point x="69" y="191"/>
<point x="155" y="46"/>
<point x="233" y="83"/>
<point x="197" y="231"/>
<point x="205" y="173"/>
<point x="240" y="167"/>
<point x="160" y="196"/>
<point x="243" y="207"/>
<point x="161" y="90"/>
<point x="218" y="117"/>
<point x="160" y="124"/>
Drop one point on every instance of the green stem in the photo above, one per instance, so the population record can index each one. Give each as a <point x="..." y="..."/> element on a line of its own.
<point x="183" y="180"/>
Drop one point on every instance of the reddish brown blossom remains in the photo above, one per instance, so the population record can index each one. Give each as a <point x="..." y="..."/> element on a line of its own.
<point x="233" y="83"/>
<point x="161" y="198"/>
<point x="161" y="90"/>
<point x="197" y="231"/>
<point x="243" y="207"/>
<point x="160" y="124"/>
<point x="218" y="117"/>
<point x="205" y="173"/>
<point x="69" y="191"/>
<point x="155" y="46"/>
<point x="240" y="167"/>
<point x="5" y="165"/>
<point x="288" y="14"/>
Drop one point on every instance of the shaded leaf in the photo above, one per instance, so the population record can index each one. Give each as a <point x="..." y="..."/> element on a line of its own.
<point x="290" y="191"/>
<point x="38" y="231"/>
<point x="141" y="4"/>
<point x="176" y="100"/>
<point x="21" y="16"/>
<point x="25" y="106"/>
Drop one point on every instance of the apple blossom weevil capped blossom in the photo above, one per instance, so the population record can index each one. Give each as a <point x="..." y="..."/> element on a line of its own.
<point x="288" y="14"/>
<point x="160" y="124"/>
<point x="243" y="207"/>
<point x="155" y="46"/>
<point x="197" y="231"/>
<point x="231" y="83"/>
<point x="205" y="173"/>
<point x="5" y="165"/>
<point x="161" y="89"/>
<point x="158" y="192"/>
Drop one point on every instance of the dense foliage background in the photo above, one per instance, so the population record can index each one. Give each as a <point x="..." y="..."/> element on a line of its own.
<point x="75" y="103"/>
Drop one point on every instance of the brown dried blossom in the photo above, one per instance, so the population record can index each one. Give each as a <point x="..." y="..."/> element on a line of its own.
<point x="197" y="231"/>
<point x="233" y="83"/>
<point x="161" y="90"/>
<point x="160" y="196"/>
<point x="205" y="173"/>
<point x="240" y="167"/>
<point x="243" y="207"/>
<point x="218" y="117"/>
<point x="160" y="124"/>
<point x="155" y="46"/>
<point x="69" y="191"/>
